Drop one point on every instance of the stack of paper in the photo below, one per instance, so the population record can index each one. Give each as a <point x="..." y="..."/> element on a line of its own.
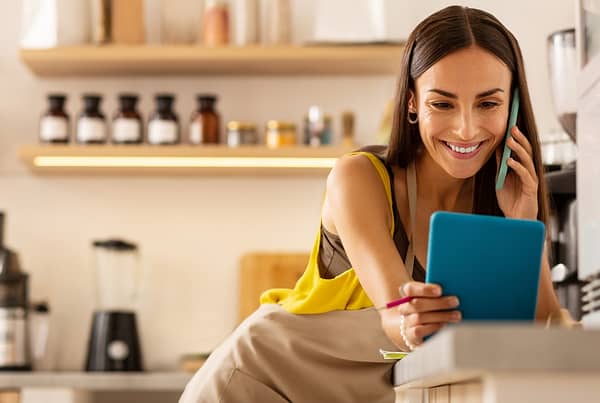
<point x="393" y="355"/>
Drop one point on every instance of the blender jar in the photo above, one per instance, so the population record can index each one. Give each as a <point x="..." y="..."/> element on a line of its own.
<point x="117" y="275"/>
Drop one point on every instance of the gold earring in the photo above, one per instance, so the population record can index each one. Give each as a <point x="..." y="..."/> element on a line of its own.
<point x="413" y="121"/>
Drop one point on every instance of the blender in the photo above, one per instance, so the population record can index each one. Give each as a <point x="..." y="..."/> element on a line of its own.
<point x="114" y="343"/>
<point x="14" y="348"/>
<point x="562" y="64"/>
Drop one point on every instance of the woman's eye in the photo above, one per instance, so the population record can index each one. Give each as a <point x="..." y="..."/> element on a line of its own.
<point x="488" y="105"/>
<point x="441" y="105"/>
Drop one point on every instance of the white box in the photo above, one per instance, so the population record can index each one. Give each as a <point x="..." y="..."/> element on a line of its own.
<point x="358" y="21"/>
<point x="51" y="23"/>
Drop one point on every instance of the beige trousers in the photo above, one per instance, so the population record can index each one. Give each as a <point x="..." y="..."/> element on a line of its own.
<point x="275" y="356"/>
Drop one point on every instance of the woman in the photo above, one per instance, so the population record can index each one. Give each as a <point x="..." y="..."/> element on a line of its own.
<point x="319" y="342"/>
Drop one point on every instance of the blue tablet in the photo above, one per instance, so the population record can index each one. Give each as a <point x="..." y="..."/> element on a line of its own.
<point x="492" y="264"/>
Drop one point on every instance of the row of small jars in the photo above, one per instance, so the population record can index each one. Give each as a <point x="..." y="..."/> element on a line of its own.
<point x="277" y="134"/>
<point x="127" y="123"/>
<point x="163" y="125"/>
<point x="317" y="131"/>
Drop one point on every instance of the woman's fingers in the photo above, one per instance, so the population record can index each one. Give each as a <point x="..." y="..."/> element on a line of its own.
<point x="521" y="139"/>
<point x="524" y="157"/>
<point x="416" y="334"/>
<point x="427" y="312"/>
<point x="528" y="181"/>
<point x="426" y="318"/>
<point x="428" y="305"/>
<point x="419" y="289"/>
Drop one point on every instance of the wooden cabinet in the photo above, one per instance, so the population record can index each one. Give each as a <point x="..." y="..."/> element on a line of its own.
<point x="466" y="392"/>
<point x="469" y="392"/>
<point x="263" y="271"/>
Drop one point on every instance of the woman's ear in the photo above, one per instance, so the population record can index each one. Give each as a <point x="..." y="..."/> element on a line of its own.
<point x="412" y="102"/>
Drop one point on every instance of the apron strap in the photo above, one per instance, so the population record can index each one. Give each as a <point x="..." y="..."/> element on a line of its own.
<point x="411" y="182"/>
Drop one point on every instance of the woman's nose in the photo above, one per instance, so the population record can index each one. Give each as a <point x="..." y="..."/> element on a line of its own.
<point x="465" y="126"/>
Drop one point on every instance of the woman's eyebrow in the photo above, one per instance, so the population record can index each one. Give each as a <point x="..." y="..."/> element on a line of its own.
<point x="454" y="96"/>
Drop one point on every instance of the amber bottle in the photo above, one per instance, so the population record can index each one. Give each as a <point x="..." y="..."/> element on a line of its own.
<point x="205" y="124"/>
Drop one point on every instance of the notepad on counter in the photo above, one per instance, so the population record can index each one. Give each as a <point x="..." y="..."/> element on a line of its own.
<point x="393" y="355"/>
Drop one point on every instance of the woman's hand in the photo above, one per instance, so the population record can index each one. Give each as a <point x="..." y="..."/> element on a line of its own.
<point x="427" y="313"/>
<point x="518" y="197"/>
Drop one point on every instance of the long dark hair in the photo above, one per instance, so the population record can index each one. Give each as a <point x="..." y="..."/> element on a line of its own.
<point x="440" y="34"/>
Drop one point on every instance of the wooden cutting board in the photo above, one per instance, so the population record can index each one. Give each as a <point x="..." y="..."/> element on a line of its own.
<point x="260" y="271"/>
<point x="10" y="397"/>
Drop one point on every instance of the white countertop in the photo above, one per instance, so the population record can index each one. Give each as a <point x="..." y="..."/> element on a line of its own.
<point x="464" y="352"/>
<point x="114" y="381"/>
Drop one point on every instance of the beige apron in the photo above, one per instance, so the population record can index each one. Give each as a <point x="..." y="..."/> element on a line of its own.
<point x="275" y="356"/>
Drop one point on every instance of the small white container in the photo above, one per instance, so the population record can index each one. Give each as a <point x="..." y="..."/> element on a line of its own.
<point x="42" y="338"/>
<point x="363" y="22"/>
<point x="244" y="22"/>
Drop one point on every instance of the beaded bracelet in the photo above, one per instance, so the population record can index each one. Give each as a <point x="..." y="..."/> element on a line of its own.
<point x="410" y="346"/>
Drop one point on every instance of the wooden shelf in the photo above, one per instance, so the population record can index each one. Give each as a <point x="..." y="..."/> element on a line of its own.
<point x="179" y="160"/>
<point x="195" y="60"/>
<point x="148" y="381"/>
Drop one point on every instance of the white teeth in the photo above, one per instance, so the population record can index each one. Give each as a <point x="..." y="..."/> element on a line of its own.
<point x="463" y="150"/>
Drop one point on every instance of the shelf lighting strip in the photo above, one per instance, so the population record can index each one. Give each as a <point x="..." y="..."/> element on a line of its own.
<point x="184" y="162"/>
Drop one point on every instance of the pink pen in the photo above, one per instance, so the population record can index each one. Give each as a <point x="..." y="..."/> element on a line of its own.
<point x="394" y="303"/>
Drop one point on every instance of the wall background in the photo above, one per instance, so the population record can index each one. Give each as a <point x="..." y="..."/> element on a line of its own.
<point x="192" y="231"/>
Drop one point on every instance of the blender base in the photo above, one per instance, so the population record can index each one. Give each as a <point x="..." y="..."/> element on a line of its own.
<point x="114" y="344"/>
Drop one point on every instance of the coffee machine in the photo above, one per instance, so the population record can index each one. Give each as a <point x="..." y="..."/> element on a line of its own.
<point x="562" y="63"/>
<point x="114" y="343"/>
<point x="14" y="343"/>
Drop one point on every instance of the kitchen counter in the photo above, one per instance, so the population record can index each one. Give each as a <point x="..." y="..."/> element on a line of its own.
<point x="157" y="381"/>
<point x="497" y="363"/>
<point x="82" y="387"/>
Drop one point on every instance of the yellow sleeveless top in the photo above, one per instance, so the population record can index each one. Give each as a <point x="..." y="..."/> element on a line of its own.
<point x="313" y="294"/>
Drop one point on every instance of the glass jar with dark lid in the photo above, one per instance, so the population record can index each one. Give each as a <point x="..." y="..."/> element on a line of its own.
<point x="91" y="125"/>
<point x="54" y="124"/>
<point x="163" y="125"/>
<point x="127" y="123"/>
<point x="205" y="124"/>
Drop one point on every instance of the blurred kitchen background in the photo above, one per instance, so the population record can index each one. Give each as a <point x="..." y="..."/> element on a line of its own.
<point x="192" y="231"/>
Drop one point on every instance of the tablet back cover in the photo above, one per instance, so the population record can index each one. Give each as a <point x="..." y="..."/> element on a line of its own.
<point x="492" y="264"/>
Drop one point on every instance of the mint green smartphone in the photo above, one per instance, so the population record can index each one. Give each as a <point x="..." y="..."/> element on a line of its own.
<point x="512" y="121"/>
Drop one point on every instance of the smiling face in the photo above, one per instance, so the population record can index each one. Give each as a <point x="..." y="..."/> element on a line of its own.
<point x="462" y="102"/>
